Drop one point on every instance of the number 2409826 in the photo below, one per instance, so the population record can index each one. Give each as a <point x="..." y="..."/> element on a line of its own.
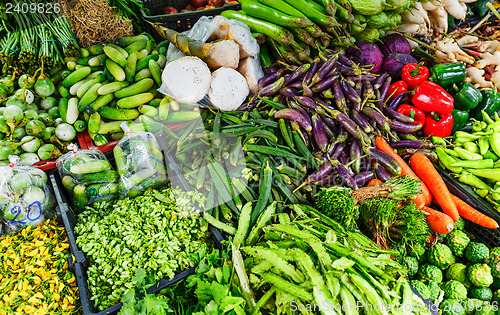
<point x="32" y="7"/>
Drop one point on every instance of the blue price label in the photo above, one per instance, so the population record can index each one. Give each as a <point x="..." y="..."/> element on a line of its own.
<point x="17" y="211"/>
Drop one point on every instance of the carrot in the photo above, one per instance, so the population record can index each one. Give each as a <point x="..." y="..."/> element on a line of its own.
<point x="421" y="199"/>
<point x="374" y="182"/>
<point x="438" y="221"/>
<point x="473" y="215"/>
<point x="423" y="167"/>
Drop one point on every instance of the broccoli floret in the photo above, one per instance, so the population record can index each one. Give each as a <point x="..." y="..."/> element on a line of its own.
<point x="338" y="204"/>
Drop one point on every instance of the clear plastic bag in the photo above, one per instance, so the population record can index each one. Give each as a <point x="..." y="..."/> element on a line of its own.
<point x="25" y="197"/>
<point x="88" y="177"/>
<point x="140" y="164"/>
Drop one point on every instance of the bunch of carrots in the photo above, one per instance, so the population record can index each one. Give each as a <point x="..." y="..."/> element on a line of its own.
<point x="433" y="189"/>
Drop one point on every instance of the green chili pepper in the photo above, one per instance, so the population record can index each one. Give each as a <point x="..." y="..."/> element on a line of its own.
<point x="471" y="147"/>
<point x="479" y="126"/>
<point x="491" y="173"/>
<point x="474" y="181"/>
<point x="495" y="143"/>
<point x="438" y="140"/>
<point x="447" y="160"/>
<point x="484" y="145"/>
<point x="450" y="152"/>
<point x="482" y="192"/>
<point x="474" y="163"/>
<point x="462" y="136"/>
<point x="486" y="118"/>
<point x="445" y="74"/>
<point x="466" y="155"/>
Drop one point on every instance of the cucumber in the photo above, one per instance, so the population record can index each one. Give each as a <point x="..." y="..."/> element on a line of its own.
<point x="72" y="111"/>
<point x="89" y="97"/>
<point x="110" y="127"/>
<point x="93" y="75"/>
<point x="162" y="51"/>
<point x="139" y="177"/>
<point x="84" y="61"/>
<point x="74" y="88"/>
<point x="112" y="87"/>
<point x="144" y="62"/>
<point x="140" y="55"/>
<point x="155" y="102"/>
<point x="155" y="71"/>
<point x="149" y="46"/>
<point x="80" y="125"/>
<point x="125" y="41"/>
<point x="136" y="88"/>
<point x="136" y="46"/>
<point x="115" y="55"/>
<point x="96" y="49"/>
<point x="164" y="44"/>
<point x="135" y="100"/>
<point x="122" y="51"/>
<point x="162" y="61"/>
<point x="118" y="113"/>
<point x="64" y="92"/>
<point x="69" y="183"/>
<point x="94" y="125"/>
<point x="97" y="60"/>
<point x="84" y="88"/>
<point x="79" y="197"/>
<point x="76" y="76"/>
<point x="100" y="140"/>
<point x="120" y="161"/>
<point x="130" y="68"/>
<point x="63" y="108"/>
<point x="164" y="108"/>
<point x="148" y="110"/>
<point x="115" y="70"/>
<point x="101" y="177"/>
<point x="117" y="135"/>
<point x="143" y="74"/>
<point x="93" y="166"/>
<point x="153" y="182"/>
<point x="101" y="101"/>
<point x="181" y="116"/>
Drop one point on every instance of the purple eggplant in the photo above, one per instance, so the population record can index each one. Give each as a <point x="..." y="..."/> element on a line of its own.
<point x="366" y="164"/>
<point x="345" y="60"/>
<point x="336" y="150"/>
<point x="328" y="131"/>
<point x="295" y="115"/>
<point x="385" y="160"/>
<point x="272" y="88"/>
<point x="355" y="154"/>
<point x="269" y="70"/>
<point x="363" y="77"/>
<point x="397" y="101"/>
<point x="310" y="74"/>
<point x="289" y="92"/>
<point x="377" y="84"/>
<point x="331" y="180"/>
<point x="305" y="101"/>
<point x="305" y="137"/>
<point x="379" y="118"/>
<point x="350" y="92"/>
<point x="404" y="127"/>
<point x="381" y="172"/>
<point x="363" y="123"/>
<point x="384" y="89"/>
<point x="323" y="105"/>
<point x="324" y="69"/>
<point x="363" y="178"/>
<point x="295" y="85"/>
<point x="391" y="113"/>
<point x="299" y="72"/>
<point x="319" y="133"/>
<point x="343" y="158"/>
<point x="249" y="105"/>
<point x="351" y="127"/>
<point x="325" y="169"/>
<point x="344" y="174"/>
<point x="324" y="84"/>
<point x="368" y="92"/>
<point x="268" y="79"/>
<point x="379" y="103"/>
<point x="415" y="144"/>
<point x="339" y="97"/>
<point x="330" y="123"/>
<point x="431" y="154"/>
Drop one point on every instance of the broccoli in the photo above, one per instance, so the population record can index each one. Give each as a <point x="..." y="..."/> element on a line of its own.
<point x="338" y="204"/>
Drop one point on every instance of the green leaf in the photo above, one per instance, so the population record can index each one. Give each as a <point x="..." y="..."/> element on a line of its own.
<point x="212" y="308"/>
<point x="218" y="291"/>
<point x="203" y="291"/>
<point x="230" y="303"/>
<point x="139" y="276"/>
<point x="239" y="310"/>
<point x="226" y="272"/>
<point x="129" y="297"/>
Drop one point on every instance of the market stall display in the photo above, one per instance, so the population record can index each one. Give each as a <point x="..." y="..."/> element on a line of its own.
<point x="268" y="160"/>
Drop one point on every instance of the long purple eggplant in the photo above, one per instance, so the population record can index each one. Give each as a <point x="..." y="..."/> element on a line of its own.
<point x="355" y="155"/>
<point x="379" y="118"/>
<point x="339" y="97"/>
<point x="297" y="107"/>
<point x="379" y="103"/>
<point x="368" y="92"/>
<point x="351" y="127"/>
<point x="366" y="164"/>
<point x="344" y="60"/>
<point x="398" y="100"/>
<point x="272" y="88"/>
<point x="268" y="79"/>
<point x="416" y="144"/>
<point x="344" y="174"/>
<point x="324" y="84"/>
<point x="325" y="169"/>
<point x="335" y="152"/>
<point x="385" y="160"/>
<point x="330" y="123"/>
<point x="324" y="69"/>
<point x="350" y="92"/>
<point x="391" y="113"/>
<point x="305" y="101"/>
<point x="377" y="84"/>
<point x="294" y="115"/>
<point x="333" y="179"/>
<point x="404" y="127"/>
<point x="385" y="88"/>
<point x="381" y="172"/>
<point x="295" y="84"/>
<point x="361" y="121"/>
<point x="363" y="77"/>
<point x="328" y="131"/>
<point x="299" y="72"/>
<point x="289" y="92"/>
<point x="343" y="158"/>
<point x="249" y="105"/>
<point x="363" y="178"/>
<point x="319" y="133"/>
<point x="310" y="74"/>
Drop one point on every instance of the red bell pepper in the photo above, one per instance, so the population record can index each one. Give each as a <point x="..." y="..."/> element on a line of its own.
<point x="396" y="88"/>
<point x="438" y="127"/>
<point x="430" y="97"/>
<point x="414" y="74"/>
<point x="417" y="114"/>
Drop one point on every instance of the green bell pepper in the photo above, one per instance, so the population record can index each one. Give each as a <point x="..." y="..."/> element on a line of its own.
<point x="467" y="97"/>
<point x="445" y="74"/>
<point x="459" y="119"/>
<point x="490" y="104"/>
<point x="479" y="7"/>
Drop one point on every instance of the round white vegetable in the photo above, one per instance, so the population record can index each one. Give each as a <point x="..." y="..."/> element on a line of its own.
<point x="39" y="177"/>
<point x="20" y="181"/>
<point x="228" y="89"/>
<point x="32" y="195"/>
<point x="30" y="97"/>
<point x="6" y="174"/>
<point x="30" y="146"/>
<point x="186" y="79"/>
<point x="29" y="158"/>
<point x="65" y="132"/>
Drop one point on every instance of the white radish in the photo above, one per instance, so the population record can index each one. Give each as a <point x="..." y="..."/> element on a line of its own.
<point x="454" y="9"/>
<point x="413" y="16"/>
<point x="429" y="6"/>
<point x="467" y="1"/>
<point x="243" y="37"/>
<point x="409" y="28"/>
<point x="228" y="89"/>
<point x="250" y="68"/>
<point x="439" y="20"/>
<point x="186" y="79"/>
<point x="225" y="53"/>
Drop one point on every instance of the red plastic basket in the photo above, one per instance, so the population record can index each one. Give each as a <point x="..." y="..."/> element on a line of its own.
<point x="45" y="165"/>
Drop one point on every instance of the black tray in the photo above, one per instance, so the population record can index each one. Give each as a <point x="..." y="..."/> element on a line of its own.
<point x="77" y="262"/>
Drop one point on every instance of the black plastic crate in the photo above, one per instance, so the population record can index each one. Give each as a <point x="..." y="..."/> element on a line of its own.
<point x="490" y="237"/>
<point x="178" y="21"/>
<point x="77" y="262"/>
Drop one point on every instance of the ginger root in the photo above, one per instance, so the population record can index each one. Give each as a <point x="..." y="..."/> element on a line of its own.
<point x="488" y="59"/>
<point x="476" y="77"/>
<point x="449" y="51"/>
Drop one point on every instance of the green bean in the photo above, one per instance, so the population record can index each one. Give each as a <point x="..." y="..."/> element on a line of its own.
<point x="261" y="133"/>
<point x="264" y="191"/>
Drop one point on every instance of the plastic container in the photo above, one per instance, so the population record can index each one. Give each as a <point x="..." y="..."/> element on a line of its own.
<point x="179" y="21"/>
<point x="77" y="262"/>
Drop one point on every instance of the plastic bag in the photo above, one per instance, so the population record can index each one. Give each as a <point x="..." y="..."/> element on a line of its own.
<point x="25" y="197"/>
<point x="88" y="177"/>
<point x="140" y="163"/>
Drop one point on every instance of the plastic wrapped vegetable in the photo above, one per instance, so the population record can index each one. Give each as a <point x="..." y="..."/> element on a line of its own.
<point x="88" y="177"/>
<point x="140" y="163"/>
<point x="25" y="198"/>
